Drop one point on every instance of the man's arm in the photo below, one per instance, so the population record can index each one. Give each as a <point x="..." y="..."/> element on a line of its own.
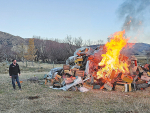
<point x="18" y="70"/>
<point x="10" y="70"/>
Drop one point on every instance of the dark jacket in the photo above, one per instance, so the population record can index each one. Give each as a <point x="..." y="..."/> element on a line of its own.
<point x="14" y="69"/>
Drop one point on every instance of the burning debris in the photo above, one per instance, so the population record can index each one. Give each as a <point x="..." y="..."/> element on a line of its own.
<point x="101" y="68"/>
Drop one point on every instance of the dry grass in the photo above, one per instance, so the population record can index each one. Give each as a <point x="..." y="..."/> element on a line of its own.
<point x="66" y="101"/>
<point x="36" y="67"/>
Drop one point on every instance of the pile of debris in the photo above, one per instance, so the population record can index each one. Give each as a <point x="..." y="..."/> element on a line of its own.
<point x="102" y="67"/>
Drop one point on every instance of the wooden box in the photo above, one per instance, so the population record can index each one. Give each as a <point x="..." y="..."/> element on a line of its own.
<point x="88" y="86"/>
<point x="123" y="87"/>
<point x="108" y="86"/>
<point x="79" y="61"/>
<point x="126" y="78"/>
<point x="79" y="73"/>
<point x="66" y="68"/>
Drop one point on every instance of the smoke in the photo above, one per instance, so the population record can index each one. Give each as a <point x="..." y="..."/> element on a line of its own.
<point x="133" y="12"/>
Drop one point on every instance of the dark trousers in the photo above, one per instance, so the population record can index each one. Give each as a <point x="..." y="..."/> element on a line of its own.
<point x="15" y="77"/>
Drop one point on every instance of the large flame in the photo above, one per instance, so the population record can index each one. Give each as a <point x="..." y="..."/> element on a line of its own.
<point x="111" y="62"/>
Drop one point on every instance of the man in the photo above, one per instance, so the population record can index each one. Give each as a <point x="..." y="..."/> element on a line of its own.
<point x="13" y="73"/>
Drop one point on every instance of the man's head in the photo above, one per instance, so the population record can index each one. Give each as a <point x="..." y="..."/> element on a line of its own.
<point x="14" y="61"/>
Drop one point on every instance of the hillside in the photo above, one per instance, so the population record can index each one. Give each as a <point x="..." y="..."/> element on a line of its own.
<point x="10" y="40"/>
<point x="136" y="49"/>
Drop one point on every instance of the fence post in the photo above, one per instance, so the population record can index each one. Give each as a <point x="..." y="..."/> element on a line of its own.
<point x="26" y="63"/>
<point x="53" y="64"/>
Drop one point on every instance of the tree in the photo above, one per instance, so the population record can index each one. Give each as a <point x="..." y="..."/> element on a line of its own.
<point x="99" y="42"/>
<point x="6" y="53"/>
<point x="78" y="42"/>
<point x="20" y="50"/>
<point x="30" y="55"/>
<point x="88" y="42"/>
<point x="41" y="53"/>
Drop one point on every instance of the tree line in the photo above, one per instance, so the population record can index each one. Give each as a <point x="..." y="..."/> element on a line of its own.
<point x="43" y="50"/>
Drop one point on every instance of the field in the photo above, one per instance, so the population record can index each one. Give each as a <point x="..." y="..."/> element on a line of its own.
<point x="39" y="98"/>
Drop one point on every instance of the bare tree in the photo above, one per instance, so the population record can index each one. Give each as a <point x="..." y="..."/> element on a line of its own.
<point x="69" y="41"/>
<point x="41" y="52"/>
<point x="20" y="50"/>
<point x="99" y="42"/>
<point x="78" y="42"/>
<point x="6" y="53"/>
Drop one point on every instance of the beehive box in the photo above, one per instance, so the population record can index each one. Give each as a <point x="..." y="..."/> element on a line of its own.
<point x="66" y="68"/>
<point x="79" y="61"/>
<point x="126" y="78"/>
<point x="79" y="73"/>
<point x="123" y="87"/>
<point x="108" y="86"/>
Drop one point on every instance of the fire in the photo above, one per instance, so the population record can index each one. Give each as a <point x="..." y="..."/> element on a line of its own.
<point x="111" y="60"/>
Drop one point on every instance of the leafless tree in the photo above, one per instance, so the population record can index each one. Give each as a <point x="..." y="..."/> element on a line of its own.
<point x="41" y="53"/>
<point x="78" y="42"/>
<point x="6" y="53"/>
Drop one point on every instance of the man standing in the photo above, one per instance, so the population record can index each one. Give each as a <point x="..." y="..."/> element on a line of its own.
<point x="13" y="73"/>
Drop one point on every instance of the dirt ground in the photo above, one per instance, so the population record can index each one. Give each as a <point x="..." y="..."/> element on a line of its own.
<point x="39" y="98"/>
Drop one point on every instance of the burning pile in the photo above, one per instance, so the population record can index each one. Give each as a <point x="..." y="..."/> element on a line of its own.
<point x="100" y="68"/>
<point x="111" y="61"/>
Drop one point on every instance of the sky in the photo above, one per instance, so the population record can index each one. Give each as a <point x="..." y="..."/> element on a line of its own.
<point x="88" y="19"/>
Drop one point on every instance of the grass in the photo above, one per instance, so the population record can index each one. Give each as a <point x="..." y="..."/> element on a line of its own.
<point x="36" y="67"/>
<point x="67" y="101"/>
<point x="57" y="101"/>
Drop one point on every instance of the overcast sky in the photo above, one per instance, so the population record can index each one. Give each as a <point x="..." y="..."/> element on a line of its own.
<point x="88" y="19"/>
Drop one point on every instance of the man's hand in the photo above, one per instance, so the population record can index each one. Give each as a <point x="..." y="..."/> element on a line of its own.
<point x="19" y="74"/>
<point x="10" y="76"/>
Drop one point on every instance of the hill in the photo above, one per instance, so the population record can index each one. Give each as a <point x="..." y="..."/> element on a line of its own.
<point x="136" y="49"/>
<point x="10" y="40"/>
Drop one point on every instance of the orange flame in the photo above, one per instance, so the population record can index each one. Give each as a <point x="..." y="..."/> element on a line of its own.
<point x="110" y="61"/>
